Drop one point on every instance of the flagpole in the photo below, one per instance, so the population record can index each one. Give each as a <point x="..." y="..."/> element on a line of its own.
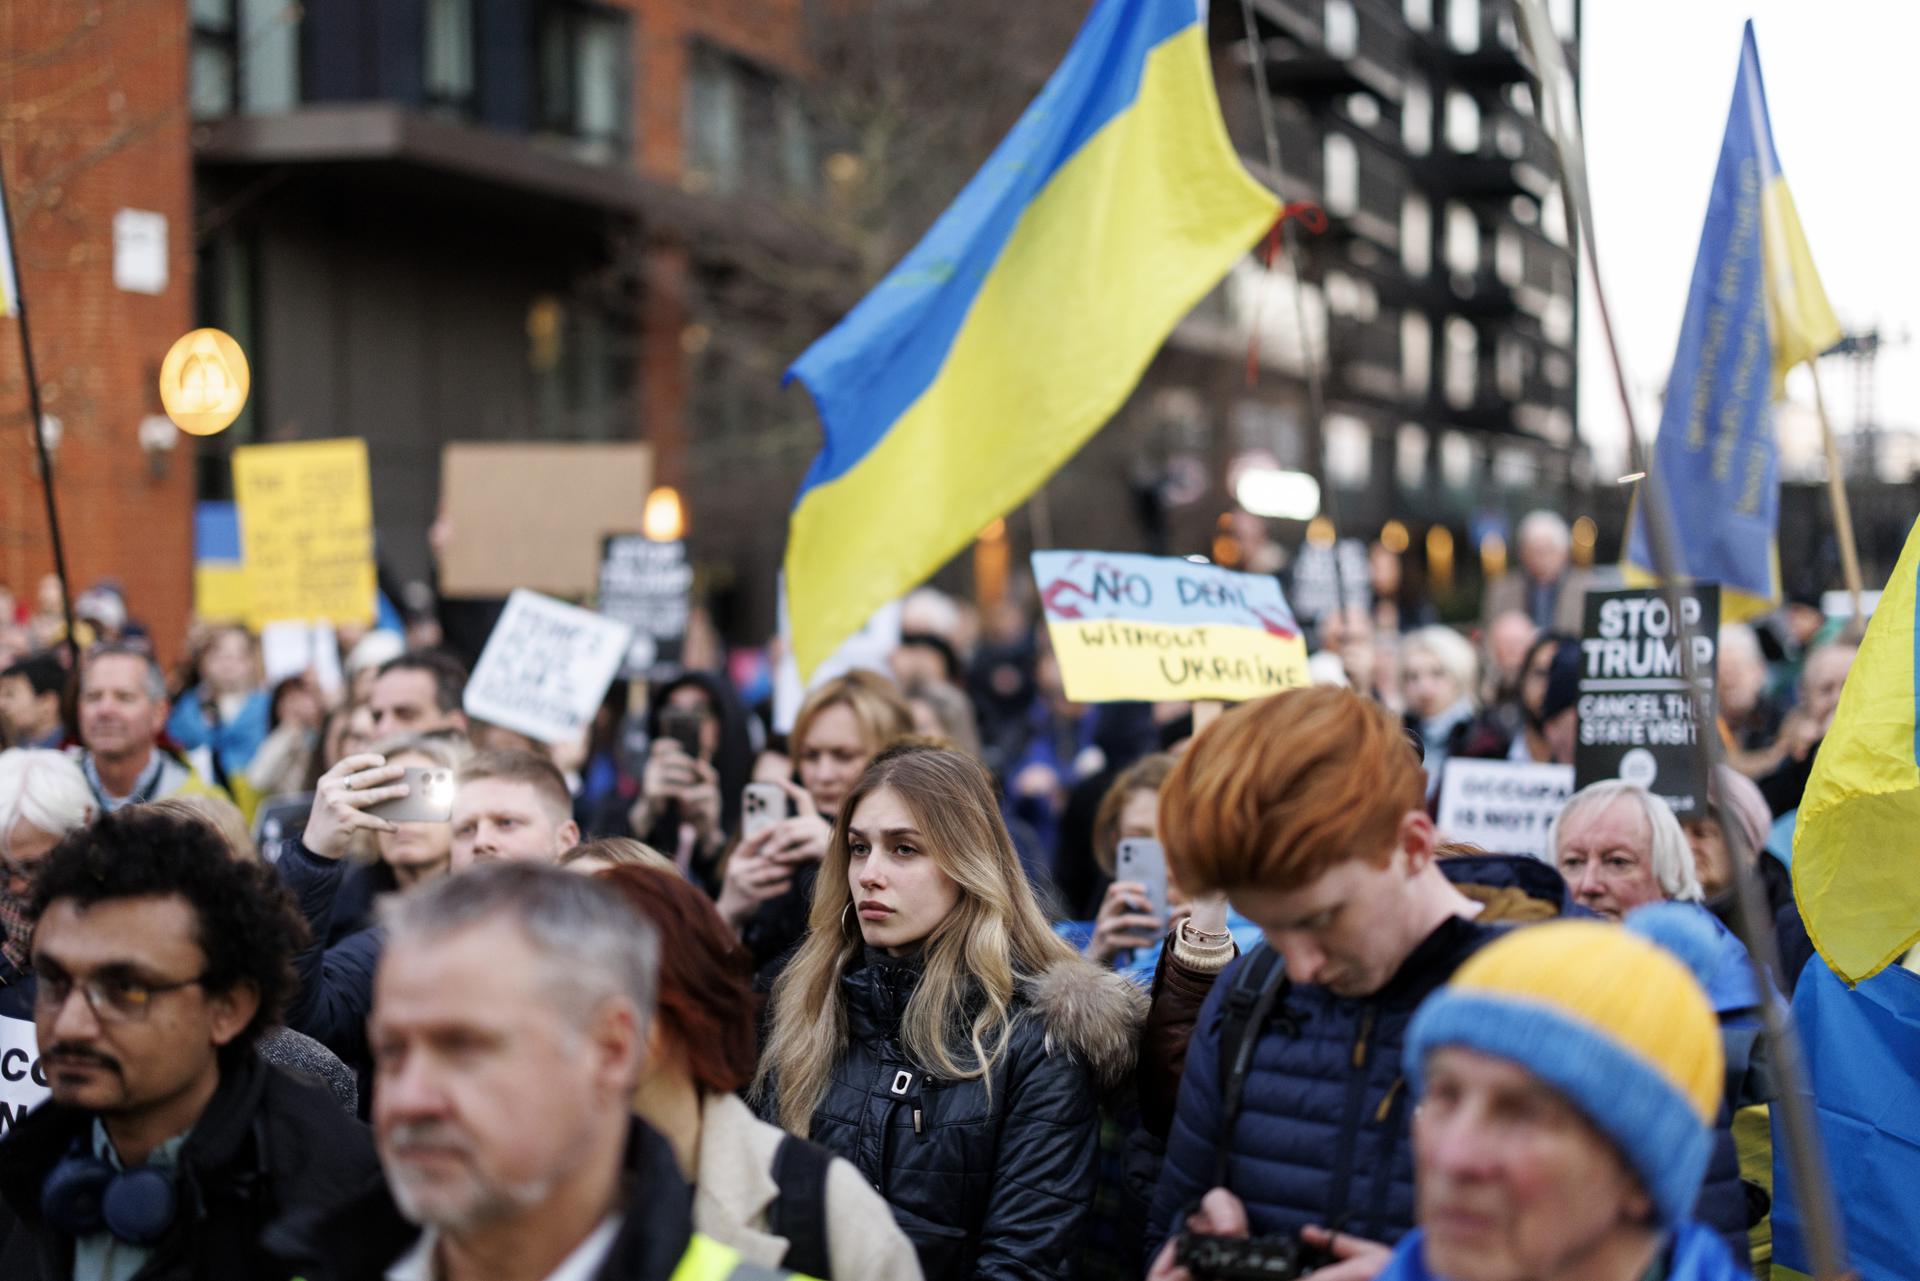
<point x="39" y="426"/>
<point x="1558" y="109"/>
<point x="1837" y="491"/>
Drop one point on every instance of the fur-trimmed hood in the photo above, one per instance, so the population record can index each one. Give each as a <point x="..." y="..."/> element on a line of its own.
<point x="1092" y="1013"/>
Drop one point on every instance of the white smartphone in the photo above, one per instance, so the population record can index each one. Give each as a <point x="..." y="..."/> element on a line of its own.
<point x="761" y="806"/>
<point x="1143" y="860"/>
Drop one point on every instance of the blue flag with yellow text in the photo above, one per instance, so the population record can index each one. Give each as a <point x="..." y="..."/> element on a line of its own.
<point x="1754" y="310"/>
<point x="1023" y="319"/>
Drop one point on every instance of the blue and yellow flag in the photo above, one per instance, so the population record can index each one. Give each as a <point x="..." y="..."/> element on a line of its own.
<point x="1859" y="1048"/>
<point x="1023" y="319"/>
<point x="1754" y="310"/>
<point x="1856" y="852"/>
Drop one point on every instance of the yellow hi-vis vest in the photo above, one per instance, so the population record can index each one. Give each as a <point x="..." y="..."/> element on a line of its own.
<point x="707" y="1260"/>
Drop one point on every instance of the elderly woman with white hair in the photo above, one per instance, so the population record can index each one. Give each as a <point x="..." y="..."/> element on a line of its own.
<point x="1620" y="847"/>
<point x="1438" y="680"/>
<point x="43" y="796"/>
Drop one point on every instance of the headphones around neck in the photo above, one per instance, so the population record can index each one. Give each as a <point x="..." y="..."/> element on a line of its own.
<point x="84" y="1194"/>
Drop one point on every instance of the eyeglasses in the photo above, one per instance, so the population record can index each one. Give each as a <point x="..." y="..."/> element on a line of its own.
<point x="113" y="999"/>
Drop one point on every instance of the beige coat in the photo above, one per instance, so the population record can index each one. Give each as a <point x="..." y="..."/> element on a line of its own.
<point x="736" y="1192"/>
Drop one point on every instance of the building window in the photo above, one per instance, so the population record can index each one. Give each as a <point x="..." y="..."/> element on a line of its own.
<point x="745" y="128"/>
<point x="1349" y="449"/>
<point x="1463" y="124"/>
<point x="1463" y="240"/>
<point x="450" y="71"/>
<point x="1416" y="120"/>
<point x="1416" y="360"/>
<point x="1416" y="234"/>
<point x="1410" y="457"/>
<point x="216" y="57"/>
<point x="246" y="57"/>
<point x="1342" y="183"/>
<point x="1342" y="29"/>
<point x="1420" y="14"/>
<point x="1463" y="24"/>
<point x="584" y="82"/>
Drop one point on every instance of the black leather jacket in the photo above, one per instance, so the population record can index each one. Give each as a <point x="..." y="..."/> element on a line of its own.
<point x="992" y="1183"/>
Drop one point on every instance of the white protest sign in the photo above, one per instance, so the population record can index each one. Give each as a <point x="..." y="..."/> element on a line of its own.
<point x="1502" y="806"/>
<point x="871" y="647"/>
<point x="546" y="667"/>
<point x="23" y="1085"/>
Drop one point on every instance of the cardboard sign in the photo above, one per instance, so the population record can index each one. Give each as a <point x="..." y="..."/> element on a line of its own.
<point x="870" y="648"/>
<point x="534" y="515"/>
<point x="546" y="667"/>
<point x="1636" y="719"/>
<point x="23" y="1085"/>
<point x="1154" y="628"/>
<point x="306" y="531"/>
<point x="1502" y="806"/>
<point x="647" y="585"/>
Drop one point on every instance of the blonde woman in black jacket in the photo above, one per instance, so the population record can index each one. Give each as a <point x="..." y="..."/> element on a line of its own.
<point x="935" y="1032"/>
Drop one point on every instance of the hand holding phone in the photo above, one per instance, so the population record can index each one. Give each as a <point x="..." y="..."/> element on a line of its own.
<point x="762" y="805"/>
<point x="429" y="797"/>
<point x="1144" y="861"/>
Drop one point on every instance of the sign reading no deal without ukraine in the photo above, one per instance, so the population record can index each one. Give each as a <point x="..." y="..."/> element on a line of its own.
<point x="1503" y="806"/>
<point x="306" y="532"/>
<point x="1153" y="628"/>
<point x="546" y="667"/>
<point x="1636" y="719"/>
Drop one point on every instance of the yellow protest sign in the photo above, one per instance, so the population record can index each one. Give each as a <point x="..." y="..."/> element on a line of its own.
<point x="306" y="531"/>
<point x="1155" y="628"/>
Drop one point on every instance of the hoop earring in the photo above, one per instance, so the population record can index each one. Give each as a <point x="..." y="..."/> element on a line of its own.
<point x="849" y="927"/>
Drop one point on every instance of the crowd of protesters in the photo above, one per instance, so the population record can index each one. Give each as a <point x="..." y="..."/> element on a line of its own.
<point x="873" y="998"/>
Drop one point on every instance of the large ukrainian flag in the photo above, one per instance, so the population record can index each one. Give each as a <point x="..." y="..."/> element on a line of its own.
<point x="1755" y="309"/>
<point x="1022" y="320"/>
<point x="1856" y="850"/>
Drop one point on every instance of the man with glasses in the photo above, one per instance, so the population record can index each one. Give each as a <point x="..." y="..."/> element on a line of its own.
<point x="169" y="1147"/>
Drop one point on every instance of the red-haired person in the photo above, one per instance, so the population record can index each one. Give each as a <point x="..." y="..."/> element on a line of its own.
<point x="753" y="1183"/>
<point x="1307" y="810"/>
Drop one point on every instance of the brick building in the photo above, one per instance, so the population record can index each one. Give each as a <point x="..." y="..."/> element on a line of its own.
<point x="92" y="122"/>
<point x="440" y="220"/>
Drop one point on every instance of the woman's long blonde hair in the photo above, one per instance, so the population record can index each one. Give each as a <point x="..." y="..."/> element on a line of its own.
<point x="995" y="937"/>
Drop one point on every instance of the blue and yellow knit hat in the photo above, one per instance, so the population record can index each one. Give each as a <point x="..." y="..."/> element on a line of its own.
<point x="1613" y="1020"/>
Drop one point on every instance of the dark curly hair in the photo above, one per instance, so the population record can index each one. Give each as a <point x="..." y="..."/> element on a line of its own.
<point x="247" y="923"/>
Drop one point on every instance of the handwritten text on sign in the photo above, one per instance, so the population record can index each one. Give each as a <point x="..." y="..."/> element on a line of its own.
<point x="1502" y="806"/>
<point x="546" y="667"/>
<point x="306" y="531"/>
<point x="1128" y="627"/>
<point x="23" y="1083"/>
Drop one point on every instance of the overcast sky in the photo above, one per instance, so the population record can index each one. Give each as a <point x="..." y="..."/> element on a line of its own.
<point x="1844" y="92"/>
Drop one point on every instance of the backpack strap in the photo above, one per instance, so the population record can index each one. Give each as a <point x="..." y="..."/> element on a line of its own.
<point x="800" y="1212"/>
<point x="1257" y="988"/>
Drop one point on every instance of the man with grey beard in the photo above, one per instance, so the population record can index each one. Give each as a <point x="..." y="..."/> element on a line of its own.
<point x="510" y="1024"/>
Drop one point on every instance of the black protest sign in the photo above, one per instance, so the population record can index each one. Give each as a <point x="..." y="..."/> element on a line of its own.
<point x="648" y="585"/>
<point x="1636" y="719"/>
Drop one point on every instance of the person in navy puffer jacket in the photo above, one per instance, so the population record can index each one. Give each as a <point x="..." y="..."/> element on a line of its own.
<point x="1307" y="809"/>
